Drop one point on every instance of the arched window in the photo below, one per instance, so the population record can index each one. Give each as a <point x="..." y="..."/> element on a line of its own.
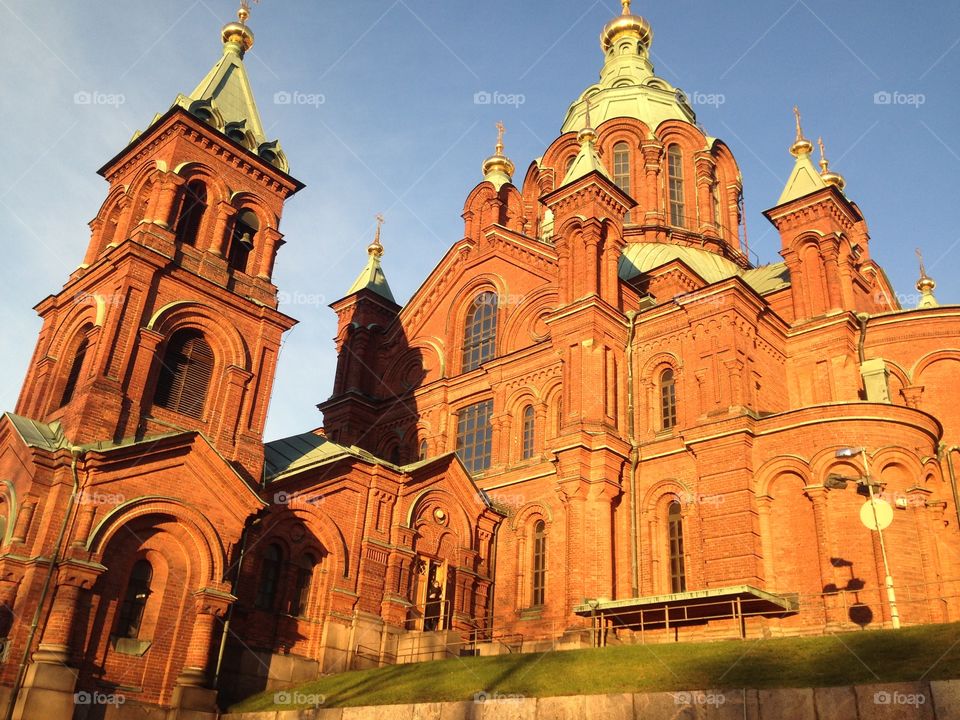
<point x="424" y="450"/>
<point x="245" y="229"/>
<point x="668" y="399"/>
<point x="569" y="165"/>
<point x="269" y="577"/>
<point x="185" y="374"/>
<point x="678" y="575"/>
<point x="621" y="169"/>
<point x="678" y="211"/>
<point x="192" y="207"/>
<point x="529" y="425"/>
<point x="301" y="597"/>
<point x="73" y="377"/>
<point x="539" y="584"/>
<point x="109" y="231"/>
<point x="395" y="455"/>
<point x="134" y="600"/>
<point x="480" y="331"/>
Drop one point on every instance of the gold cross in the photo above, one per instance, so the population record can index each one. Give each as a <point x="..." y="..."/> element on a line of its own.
<point x="500" y="131"/>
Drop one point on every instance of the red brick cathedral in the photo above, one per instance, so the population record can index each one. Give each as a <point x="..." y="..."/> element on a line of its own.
<point x="595" y="422"/>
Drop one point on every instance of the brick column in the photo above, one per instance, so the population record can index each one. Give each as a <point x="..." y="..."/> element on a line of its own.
<point x="169" y="185"/>
<point x="706" y="168"/>
<point x="72" y="578"/>
<point x="24" y="519"/>
<point x="272" y="240"/>
<point x="210" y="605"/>
<point x="652" y="155"/>
<point x="818" y="495"/>
<point x="225" y="211"/>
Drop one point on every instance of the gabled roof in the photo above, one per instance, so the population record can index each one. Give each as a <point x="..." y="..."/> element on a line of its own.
<point x="640" y="258"/>
<point x="586" y="162"/>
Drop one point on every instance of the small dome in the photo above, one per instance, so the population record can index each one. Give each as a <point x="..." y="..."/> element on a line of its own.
<point x="626" y="24"/>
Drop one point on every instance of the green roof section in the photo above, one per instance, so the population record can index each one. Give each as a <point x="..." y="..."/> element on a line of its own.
<point x="37" y="434"/>
<point x="804" y="179"/>
<point x="373" y="278"/>
<point x="641" y="258"/>
<point x="587" y="160"/>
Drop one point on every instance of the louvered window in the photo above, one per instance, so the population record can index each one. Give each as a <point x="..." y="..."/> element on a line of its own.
<point x="74" y="375"/>
<point x="185" y="374"/>
<point x="192" y="208"/>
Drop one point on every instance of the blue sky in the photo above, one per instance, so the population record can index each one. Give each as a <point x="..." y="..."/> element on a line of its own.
<point x="390" y="125"/>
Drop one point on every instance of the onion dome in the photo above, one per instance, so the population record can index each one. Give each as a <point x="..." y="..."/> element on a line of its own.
<point x="926" y="285"/>
<point x="498" y="168"/>
<point x="626" y="24"/>
<point x="829" y="177"/>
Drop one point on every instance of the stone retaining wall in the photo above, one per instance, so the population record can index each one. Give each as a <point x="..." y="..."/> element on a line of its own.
<point x="936" y="700"/>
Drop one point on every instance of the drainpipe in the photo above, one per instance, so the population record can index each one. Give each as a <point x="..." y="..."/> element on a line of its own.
<point x="634" y="460"/>
<point x="863" y="319"/>
<point x="233" y="591"/>
<point x="76" y="453"/>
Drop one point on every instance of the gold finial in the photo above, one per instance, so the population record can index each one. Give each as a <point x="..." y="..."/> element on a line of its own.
<point x="801" y="146"/>
<point x="626" y="23"/>
<point x="926" y="285"/>
<point x="237" y="33"/>
<point x="626" y="6"/>
<point x="588" y="134"/>
<point x="500" y="130"/>
<point x="375" y="248"/>
<point x="829" y="177"/>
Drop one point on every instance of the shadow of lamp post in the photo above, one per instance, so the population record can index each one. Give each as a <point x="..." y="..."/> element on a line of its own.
<point x="877" y="518"/>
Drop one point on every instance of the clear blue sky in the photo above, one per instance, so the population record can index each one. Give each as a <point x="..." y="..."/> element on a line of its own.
<point x="399" y="132"/>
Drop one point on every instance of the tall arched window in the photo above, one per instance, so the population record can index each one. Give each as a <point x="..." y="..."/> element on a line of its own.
<point x="678" y="211"/>
<point x="245" y="229"/>
<point x="621" y="169"/>
<point x="269" y="577"/>
<point x="134" y="600"/>
<point x="424" y="450"/>
<point x="668" y="399"/>
<point x="73" y="377"/>
<point x="192" y="207"/>
<point x="301" y="597"/>
<point x="185" y="374"/>
<point x="539" y="584"/>
<point x="480" y="331"/>
<point x="528" y="427"/>
<point x="678" y="575"/>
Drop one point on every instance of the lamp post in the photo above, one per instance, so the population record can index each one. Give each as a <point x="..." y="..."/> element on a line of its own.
<point x="847" y="453"/>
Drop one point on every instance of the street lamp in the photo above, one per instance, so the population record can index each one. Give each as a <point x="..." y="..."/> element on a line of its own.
<point x="840" y="482"/>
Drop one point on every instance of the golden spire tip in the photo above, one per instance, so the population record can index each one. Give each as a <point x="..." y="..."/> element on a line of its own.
<point x="376" y="248"/>
<point x="801" y="146"/>
<point x="500" y="130"/>
<point x="824" y="163"/>
<point x="626" y="6"/>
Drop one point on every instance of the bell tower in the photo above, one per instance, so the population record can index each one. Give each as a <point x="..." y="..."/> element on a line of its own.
<point x="170" y="323"/>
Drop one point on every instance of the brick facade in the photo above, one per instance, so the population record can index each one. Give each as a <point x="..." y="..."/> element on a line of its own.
<point x="647" y="384"/>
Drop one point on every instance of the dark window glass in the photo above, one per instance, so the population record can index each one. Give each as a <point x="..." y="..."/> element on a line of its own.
<point x="668" y="400"/>
<point x="304" y="581"/>
<point x="621" y="169"/>
<point x="192" y="208"/>
<point x="185" y="374"/>
<point x="269" y="578"/>
<point x="480" y="331"/>
<point x="678" y="576"/>
<point x="678" y="210"/>
<point x="424" y="450"/>
<point x="135" y="600"/>
<point x="539" y="563"/>
<point x="475" y="436"/>
<point x="73" y="377"/>
<point x="529" y="425"/>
